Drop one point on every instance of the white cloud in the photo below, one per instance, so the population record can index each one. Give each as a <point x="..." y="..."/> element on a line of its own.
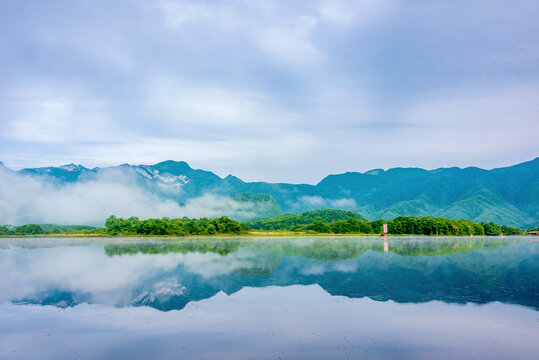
<point x="179" y="13"/>
<point x="292" y="44"/>
<point x="268" y="90"/>
<point x="183" y="104"/>
<point x="477" y="124"/>
<point x="318" y="202"/>
<point x="281" y="30"/>
<point x="55" y="113"/>
<point x="361" y="13"/>
<point x="216" y="17"/>
<point x="26" y="199"/>
<point x="343" y="203"/>
<point x="108" y="47"/>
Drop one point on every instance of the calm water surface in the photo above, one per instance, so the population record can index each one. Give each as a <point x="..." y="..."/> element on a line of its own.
<point x="271" y="298"/>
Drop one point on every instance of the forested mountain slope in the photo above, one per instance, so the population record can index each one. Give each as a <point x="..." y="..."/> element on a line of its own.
<point x="507" y="195"/>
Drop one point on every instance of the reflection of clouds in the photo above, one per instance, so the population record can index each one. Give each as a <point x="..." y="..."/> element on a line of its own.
<point x="77" y="269"/>
<point x="313" y="270"/>
<point x="297" y="321"/>
<point x="211" y="265"/>
<point x="69" y="275"/>
<point x="110" y="280"/>
<point x="162" y="289"/>
<point x="347" y="266"/>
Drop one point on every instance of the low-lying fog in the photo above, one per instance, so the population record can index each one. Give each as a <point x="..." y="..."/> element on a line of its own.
<point x="27" y="199"/>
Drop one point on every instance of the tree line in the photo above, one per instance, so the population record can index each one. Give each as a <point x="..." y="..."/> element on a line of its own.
<point x="414" y="225"/>
<point x="427" y="225"/>
<point x="329" y="221"/>
<point x="179" y="227"/>
<point x="49" y="229"/>
<point x="303" y="221"/>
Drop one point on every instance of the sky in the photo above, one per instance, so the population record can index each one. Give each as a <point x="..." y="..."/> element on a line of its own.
<point x="281" y="91"/>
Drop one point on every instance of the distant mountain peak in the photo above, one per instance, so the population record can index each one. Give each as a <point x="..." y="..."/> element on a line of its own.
<point x="374" y="172"/>
<point x="172" y="163"/>
<point x="232" y="178"/>
<point x="173" y="167"/>
<point x="72" y="167"/>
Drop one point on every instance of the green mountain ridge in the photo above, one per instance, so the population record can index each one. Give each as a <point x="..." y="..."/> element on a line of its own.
<point x="508" y="195"/>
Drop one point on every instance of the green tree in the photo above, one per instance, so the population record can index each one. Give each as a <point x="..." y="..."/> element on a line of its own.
<point x="30" y="229"/>
<point x="319" y="226"/>
<point x="492" y="229"/>
<point x="5" y="230"/>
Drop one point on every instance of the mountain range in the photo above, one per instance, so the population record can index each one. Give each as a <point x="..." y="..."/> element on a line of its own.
<point x="508" y="195"/>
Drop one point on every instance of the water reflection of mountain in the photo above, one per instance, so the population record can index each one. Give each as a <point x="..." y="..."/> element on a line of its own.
<point x="477" y="270"/>
<point x="454" y="270"/>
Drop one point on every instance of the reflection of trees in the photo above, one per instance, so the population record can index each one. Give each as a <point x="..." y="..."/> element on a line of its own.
<point x="221" y="247"/>
<point x="323" y="249"/>
<point x="320" y="249"/>
<point x="432" y="247"/>
<point x="259" y="264"/>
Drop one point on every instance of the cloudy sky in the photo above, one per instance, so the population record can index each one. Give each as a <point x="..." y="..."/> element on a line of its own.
<point x="269" y="90"/>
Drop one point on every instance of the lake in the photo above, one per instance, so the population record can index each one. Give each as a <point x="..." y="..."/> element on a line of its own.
<point x="269" y="298"/>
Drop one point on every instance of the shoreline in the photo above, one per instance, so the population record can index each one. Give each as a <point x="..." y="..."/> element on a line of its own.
<point x="252" y="235"/>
